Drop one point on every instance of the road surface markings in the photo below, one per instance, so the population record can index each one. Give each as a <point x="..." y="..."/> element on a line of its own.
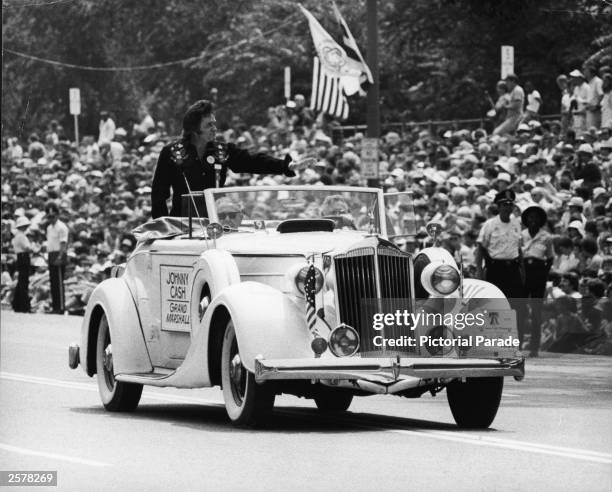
<point x="53" y="456"/>
<point x="93" y="388"/>
<point x="574" y="453"/>
<point x="579" y="454"/>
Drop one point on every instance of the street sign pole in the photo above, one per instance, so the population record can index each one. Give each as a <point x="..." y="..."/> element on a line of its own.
<point x="75" y="109"/>
<point x="287" y="83"/>
<point x="373" y="117"/>
<point x="76" y="129"/>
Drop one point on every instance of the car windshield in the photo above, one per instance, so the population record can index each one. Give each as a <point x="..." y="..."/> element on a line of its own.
<point x="259" y="207"/>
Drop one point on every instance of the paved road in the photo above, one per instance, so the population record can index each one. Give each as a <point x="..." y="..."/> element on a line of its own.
<point x="552" y="432"/>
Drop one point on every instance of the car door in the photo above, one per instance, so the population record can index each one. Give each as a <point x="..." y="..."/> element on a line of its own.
<point x="169" y="324"/>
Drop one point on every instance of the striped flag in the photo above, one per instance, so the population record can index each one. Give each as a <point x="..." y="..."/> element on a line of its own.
<point x="331" y="66"/>
<point x="327" y="94"/>
<point x="309" y="291"/>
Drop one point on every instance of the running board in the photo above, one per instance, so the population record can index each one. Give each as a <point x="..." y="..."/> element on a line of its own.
<point x="150" y="378"/>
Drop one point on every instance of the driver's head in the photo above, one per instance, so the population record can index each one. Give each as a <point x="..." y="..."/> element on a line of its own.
<point x="335" y="205"/>
<point x="229" y="212"/>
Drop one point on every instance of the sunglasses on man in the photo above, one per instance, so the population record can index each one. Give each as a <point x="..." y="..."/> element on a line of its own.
<point x="225" y="215"/>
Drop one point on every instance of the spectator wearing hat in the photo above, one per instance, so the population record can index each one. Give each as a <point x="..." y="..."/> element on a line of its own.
<point x="22" y="248"/>
<point x="106" y="128"/>
<point x="579" y="101"/>
<point x="514" y="107"/>
<point x="499" y="245"/>
<point x="538" y="257"/>
<point x="57" y="244"/>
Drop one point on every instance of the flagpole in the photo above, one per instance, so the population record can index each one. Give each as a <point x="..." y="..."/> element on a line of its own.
<point x="373" y="117"/>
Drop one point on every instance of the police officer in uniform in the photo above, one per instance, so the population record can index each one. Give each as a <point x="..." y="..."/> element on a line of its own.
<point x="538" y="258"/>
<point x="203" y="163"/>
<point x="499" y="245"/>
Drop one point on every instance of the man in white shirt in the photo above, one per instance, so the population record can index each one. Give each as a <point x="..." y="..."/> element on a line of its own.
<point x="499" y="245"/>
<point x="538" y="257"/>
<point x="107" y="128"/>
<point x="579" y="101"/>
<point x="595" y="93"/>
<point x="514" y="106"/>
<point x="57" y="243"/>
<point x="534" y="102"/>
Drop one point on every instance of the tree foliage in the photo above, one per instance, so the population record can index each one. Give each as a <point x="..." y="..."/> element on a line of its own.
<point x="437" y="57"/>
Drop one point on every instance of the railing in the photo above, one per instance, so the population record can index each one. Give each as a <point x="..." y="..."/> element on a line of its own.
<point x="342" y="132"/>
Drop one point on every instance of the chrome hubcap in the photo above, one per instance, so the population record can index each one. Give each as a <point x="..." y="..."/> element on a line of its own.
<point x="236" y="371"/>
<point x="237" y="375"/>
<point x="203" y="306"/>
<point x="107" y="358"/>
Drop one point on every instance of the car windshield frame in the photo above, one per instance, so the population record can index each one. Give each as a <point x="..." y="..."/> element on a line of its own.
<point x="213" y="194"/>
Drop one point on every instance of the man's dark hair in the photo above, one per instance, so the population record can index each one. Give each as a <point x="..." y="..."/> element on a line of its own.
<point x="198" y="110"/>
<point x="591" y="228"/>
<point x="572" y="278"/>
<point x="589" y="246"/>
<point x="596" y="288"/>
<point x="51" y="206"/>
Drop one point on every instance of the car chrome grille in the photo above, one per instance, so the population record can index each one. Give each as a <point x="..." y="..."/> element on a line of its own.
<point x="382" y="276"/>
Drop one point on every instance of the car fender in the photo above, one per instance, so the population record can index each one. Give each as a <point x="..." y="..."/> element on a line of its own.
<point x="474" y="288"/>
<point x="217" y="269"/>
<point x="439" y="255"/>
<point x="485" y="297"/>
<point x="113" y="298"/>
<point x="267" y="322"/>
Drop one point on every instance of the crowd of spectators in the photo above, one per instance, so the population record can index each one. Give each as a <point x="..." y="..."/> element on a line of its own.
<point x="103" y="190"/>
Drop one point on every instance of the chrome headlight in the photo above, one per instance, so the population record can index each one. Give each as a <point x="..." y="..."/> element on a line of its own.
<point x="343" y="341"/>
<point x="445" y="279"/>
<point x="440" y="278"/>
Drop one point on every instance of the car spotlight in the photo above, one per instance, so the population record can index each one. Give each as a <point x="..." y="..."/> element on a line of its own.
<point x="300" y="279"/>
<point x="445" y="279"/>
<point x="343" y="341"/>
<point x="318" y="345"/>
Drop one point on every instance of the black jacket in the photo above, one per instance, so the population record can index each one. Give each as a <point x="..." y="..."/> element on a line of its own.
<point x="180" y="157"/>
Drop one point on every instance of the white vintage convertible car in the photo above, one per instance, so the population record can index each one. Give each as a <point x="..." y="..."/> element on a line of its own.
<point x="295" y="289"/>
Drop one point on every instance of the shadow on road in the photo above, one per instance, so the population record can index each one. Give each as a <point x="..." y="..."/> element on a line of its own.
<point x="284" y="419"/>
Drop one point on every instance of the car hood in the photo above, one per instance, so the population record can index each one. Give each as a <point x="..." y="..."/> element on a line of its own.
<point x="274" y="243"/>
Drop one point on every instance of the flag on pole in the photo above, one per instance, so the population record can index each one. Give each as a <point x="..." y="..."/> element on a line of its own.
<point x="352" y="84"/>
<point x="327" y="95"/>
<point x="332" y="67"/>
<point x="309" y="291"/>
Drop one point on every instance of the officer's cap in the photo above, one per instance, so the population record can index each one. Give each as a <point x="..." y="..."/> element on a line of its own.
<point x="506" y="196"/>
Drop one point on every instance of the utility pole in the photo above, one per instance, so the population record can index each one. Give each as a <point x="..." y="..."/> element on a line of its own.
<point x="373" y="115"/>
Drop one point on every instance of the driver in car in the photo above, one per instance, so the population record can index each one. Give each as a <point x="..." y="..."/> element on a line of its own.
<point x="229" y="212"/>
<point x="336" y="207"/>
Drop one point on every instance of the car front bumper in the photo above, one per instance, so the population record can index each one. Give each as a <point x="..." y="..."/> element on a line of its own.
<point x="386" y="368"/>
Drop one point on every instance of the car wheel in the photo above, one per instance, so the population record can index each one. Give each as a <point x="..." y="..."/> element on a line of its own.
<point x="116" y="396"/>
<point x="246" y="402"/>
<point x="330" y="400"/>
<point x="474" y="403"/>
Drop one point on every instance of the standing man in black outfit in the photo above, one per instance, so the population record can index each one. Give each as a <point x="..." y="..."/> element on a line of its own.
<point x="194" y="156"/>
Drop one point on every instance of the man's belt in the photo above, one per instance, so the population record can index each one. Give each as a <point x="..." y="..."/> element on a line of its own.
<point x="512" y="262"/>
<point x="535" y="262"/>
